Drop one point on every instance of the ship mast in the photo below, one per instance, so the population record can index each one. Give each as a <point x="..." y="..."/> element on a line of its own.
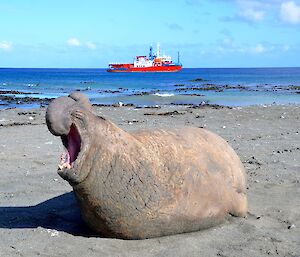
<point x="157" y="50"/>
<point x="150" y="53"/>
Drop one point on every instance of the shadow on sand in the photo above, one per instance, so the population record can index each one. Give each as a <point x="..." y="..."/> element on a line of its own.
<point x="60" y="213"/>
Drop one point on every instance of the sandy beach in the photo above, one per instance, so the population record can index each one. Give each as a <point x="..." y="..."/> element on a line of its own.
<point x="39" y="215"/>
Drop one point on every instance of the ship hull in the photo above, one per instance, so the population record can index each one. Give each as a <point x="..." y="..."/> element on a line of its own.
<point x="171" y="68"/>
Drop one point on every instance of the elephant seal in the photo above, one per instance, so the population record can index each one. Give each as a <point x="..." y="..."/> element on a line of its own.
<point x="148" y="183"/>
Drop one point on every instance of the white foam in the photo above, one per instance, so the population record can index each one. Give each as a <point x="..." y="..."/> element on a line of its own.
<point x="164" y="94"/>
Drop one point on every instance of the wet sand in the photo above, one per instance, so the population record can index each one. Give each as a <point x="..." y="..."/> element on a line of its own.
<point x="39" y="216"/>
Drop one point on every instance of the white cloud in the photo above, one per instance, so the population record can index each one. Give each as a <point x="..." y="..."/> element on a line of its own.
<point x="90" y="45"/>
<point x="258" y="49"/>
<point x="229" y="46"/>
<point x="290" y="12"/>
<point x="174" y="26"/>
<point x="228" y="42"/>
<point x="259" y="10"/>
<point x="252" y="15"/>
<point x="251" y="10"/>
<point x="192" y="2"/>
<point x="5" y="46"/>
<point x="286" y="48"/>
<point x="73" y="42"/>
<point x="76" y="42"/>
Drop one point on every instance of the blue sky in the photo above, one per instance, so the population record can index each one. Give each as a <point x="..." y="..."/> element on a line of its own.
<point x="208" y="33"/>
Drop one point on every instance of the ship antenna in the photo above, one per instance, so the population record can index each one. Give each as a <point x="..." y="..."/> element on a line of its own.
<point x="157" y="51"/>
<point x="178" y="61"/>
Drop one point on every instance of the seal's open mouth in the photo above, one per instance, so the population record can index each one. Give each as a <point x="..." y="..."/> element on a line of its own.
<point x="72" y="144"/>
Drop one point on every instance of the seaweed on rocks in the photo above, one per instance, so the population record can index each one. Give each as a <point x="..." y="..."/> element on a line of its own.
<point x="84" y="89"/>
<point x="212" y="106"/>
<point x="15" y="92"/>
<point x="295" y="87"/>
<point x="141" y="93"/>
<point x="193" y="94"/>
<point x="87" y="82"/>
<point x="108" y="91"/>
<point x="198" y="80"/>
<point x="235" y="87"/>
<point x="204" y="88"/>
<point x="114" y="105"/>
<point x="102" y="105"/>
<point x="24" y="100"/>
<point x="165" y="113"/>
<point x="148" y="107"/>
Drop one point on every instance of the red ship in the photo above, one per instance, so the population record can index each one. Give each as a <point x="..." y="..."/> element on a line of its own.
<point x="152" y="63"/>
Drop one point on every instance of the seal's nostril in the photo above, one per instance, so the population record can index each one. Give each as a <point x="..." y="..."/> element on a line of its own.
<point x="58" y="115"/>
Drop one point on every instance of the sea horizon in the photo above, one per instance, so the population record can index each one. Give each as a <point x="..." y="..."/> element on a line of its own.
<point x="104" y="68"/>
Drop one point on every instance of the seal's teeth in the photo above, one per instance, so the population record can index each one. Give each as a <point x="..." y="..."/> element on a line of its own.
<point x="61" y="164"/>
<point x="64" y="157"/>
<point x="64" y="166"/>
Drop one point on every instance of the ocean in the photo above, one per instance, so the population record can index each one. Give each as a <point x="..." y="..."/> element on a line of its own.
<point x="26" y="88"/>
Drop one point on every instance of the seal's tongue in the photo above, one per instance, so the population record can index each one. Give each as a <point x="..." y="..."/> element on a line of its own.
<point x="72" y="143"/>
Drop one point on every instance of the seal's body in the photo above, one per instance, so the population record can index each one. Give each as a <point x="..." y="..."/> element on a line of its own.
<point x="149" y="183"/>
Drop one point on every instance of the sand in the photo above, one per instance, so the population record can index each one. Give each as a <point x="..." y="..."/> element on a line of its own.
<point x="39" y="216"/>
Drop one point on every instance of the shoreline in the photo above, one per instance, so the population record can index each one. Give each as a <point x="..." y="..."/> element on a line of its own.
<point x="38" y="103"/>
<point x="194" y="92"/>
<point x="39" y="215"/>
